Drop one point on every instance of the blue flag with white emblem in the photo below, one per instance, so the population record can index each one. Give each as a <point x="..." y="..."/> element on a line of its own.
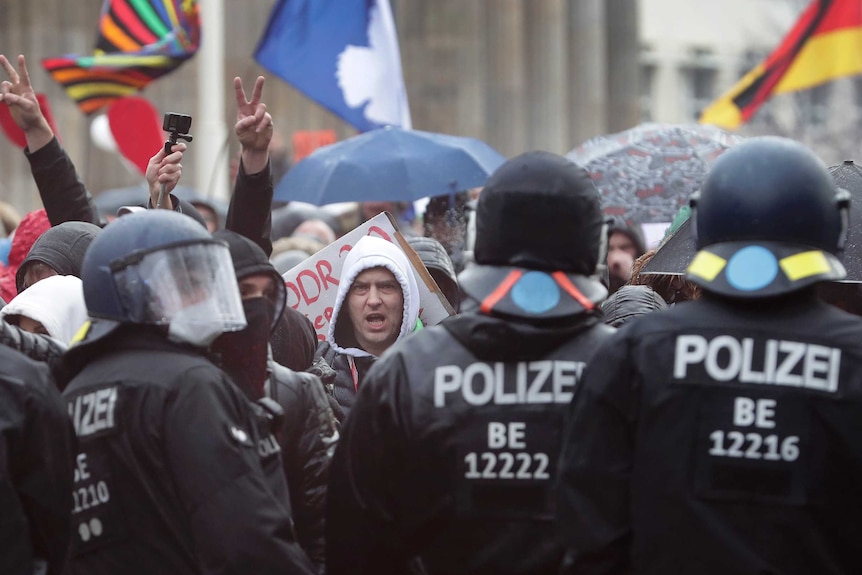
<point x="342" y="54"/>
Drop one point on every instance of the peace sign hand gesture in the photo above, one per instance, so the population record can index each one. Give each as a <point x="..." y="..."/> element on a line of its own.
<point x="18" y="94"/>
<point x="253" y="123"/>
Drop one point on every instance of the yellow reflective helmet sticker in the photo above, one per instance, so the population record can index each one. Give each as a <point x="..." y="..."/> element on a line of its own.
<point x="804" y="265"/>
<point x="706" y="265"/>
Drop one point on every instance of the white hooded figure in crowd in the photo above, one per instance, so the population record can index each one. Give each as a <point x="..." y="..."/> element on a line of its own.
<point x="53" y="306"/>
<point x="377" y="304"/>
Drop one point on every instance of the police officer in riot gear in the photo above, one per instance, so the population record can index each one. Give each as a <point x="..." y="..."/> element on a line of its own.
<point x="169" y="478"/>
<point x="447" y="460"/>
<point x="723" y="435"/>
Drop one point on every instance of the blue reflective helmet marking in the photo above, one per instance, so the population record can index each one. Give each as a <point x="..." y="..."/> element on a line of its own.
<point x="751" y="268"/>
<point x="536" y="292"/>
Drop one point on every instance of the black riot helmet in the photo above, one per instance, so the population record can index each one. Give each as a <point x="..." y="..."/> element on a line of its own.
<point x="768" y="221"/>
<point x="158" y="267"/>
<point x="539" y="232"/>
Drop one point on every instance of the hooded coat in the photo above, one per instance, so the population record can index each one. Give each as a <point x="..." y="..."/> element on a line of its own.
<point x="340" y="349"/>
<point x="61" y="248"/>
<point x="629" y="302"/>
<point x="440" y="266"/>
<point x="57" y="302"/>
<point x="308" y="432"/>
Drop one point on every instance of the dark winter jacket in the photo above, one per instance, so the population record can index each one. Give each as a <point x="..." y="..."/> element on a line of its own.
<point x="307" y="438"/>
<point x="35" y="346"/>
<point x="447" y="462"/>
<point x="629" y="302"/>
<point x="249" y="213"/>
<point x="175" y="477"/>
<point x="37" y="453"/>
<point x="719" y="437"/>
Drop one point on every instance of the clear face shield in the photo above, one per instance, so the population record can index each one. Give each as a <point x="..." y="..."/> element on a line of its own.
<point x="189" y="287"/>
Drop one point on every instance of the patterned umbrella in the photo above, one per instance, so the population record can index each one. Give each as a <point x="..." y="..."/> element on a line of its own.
<point x="647" y="173"/>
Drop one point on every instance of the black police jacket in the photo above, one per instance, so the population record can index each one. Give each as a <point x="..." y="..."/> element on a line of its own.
<point x="446" y="463"/>
<point x="719" y="437"/>
<point x="171" y="479"/>
<point x="36" y="458"/>
<point x="307" y="438"/>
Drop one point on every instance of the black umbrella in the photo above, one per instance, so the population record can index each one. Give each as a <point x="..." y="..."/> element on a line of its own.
<point x="677" y="251"/>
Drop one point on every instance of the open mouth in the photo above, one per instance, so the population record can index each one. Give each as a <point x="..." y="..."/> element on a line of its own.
<point x="375" y="320"/>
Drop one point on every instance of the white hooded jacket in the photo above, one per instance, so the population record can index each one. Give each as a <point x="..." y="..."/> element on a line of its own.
<point x="57" y="302"/>
<point x="373" y="252"/>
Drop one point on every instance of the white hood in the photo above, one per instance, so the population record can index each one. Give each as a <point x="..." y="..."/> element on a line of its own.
<point x="57" y="302"/>
<point x="372" y="252"/>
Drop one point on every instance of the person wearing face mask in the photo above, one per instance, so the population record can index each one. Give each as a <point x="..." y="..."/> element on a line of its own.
<point x="308" y="432"/>
<point x="169" y="475"/>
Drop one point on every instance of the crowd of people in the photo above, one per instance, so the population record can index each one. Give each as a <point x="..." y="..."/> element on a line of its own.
<point x="163" y="410"/>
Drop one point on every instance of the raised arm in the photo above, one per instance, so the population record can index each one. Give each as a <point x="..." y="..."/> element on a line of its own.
<point x="250" y="208"/>
<point x="63" y="194"/>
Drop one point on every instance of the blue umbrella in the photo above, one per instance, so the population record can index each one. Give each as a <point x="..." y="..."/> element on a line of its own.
<point x="389" y="165"/>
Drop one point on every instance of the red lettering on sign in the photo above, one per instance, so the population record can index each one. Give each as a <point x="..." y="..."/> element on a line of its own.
<point x="324" y="270"/>
<point x="319" y="322"/>
<point x="309" y="299"/>
<point x="379" y="232"/>
<point x="291" y="287"/>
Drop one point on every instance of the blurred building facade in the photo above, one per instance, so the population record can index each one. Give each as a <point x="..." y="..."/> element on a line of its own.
<point x="519" y="74"/>
<point x="692" y="51"/>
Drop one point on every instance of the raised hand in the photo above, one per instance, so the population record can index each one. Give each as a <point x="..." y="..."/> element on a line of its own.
<point x="253" y="123"/>
<point x="253" y="127"/>
<point x="166" y="170"/>
<point x="18" y="94"/>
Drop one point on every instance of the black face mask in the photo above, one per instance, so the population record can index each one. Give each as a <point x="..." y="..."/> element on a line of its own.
<point x="244" y="353"/>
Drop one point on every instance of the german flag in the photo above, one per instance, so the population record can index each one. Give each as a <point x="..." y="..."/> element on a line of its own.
<point x="824" y="44"/>
<point x="139" y="41"/>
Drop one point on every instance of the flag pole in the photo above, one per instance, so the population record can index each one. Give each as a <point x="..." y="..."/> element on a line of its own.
<point x="211" y="175"/>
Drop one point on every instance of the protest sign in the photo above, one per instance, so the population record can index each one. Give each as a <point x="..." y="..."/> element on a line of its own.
<point x="313" y="284"/>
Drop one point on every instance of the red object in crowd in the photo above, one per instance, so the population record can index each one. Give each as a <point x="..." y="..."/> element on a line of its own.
<point x="306" y="141"/>
<point x="136" y="128"/>
<point x="16" y="134"/>
<point x="31" y="227"/>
